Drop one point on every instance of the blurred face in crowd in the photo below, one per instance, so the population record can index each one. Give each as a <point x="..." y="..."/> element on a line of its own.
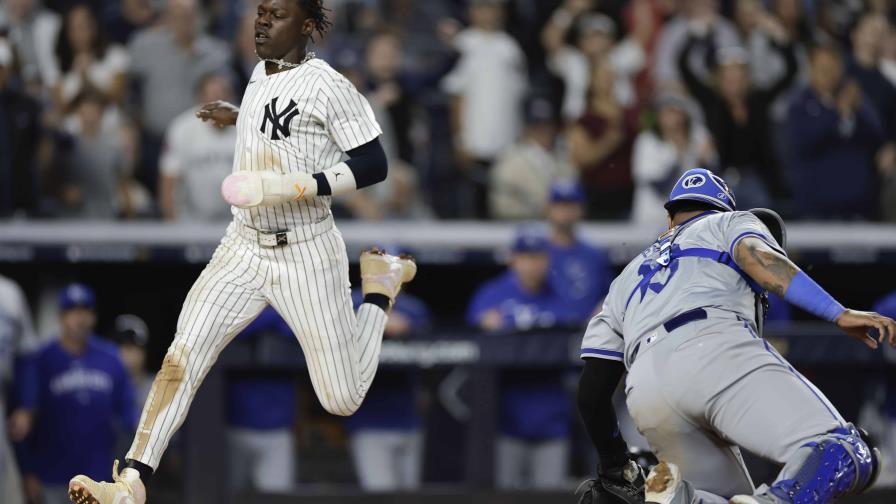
<point x="488" y="16"/>
<point x="671" y="120"/>
<point x="702" y="9"/>
<point x="281" y="26"/>
<point x="134" y="358"/>
<point x="595" y="43"/>
<point x="18" y="9"/>
<point x="564" y="215"/>
<point x="182" y="18"/>
<point x="530" y="268"/>
<point x="77" y="324"/>
<point x="384" y="56"/>
<point x="215" y="87"/>
<point x="869" y="35"/>
<point x="90" y="114"/>
<point x="825" y="71"/>
<point x="734" y="80"/>
<point x="788" y="11"/>
<point x="81" y="28"/>
<point x="746" y="13"/>
<point x="544" y="133"/>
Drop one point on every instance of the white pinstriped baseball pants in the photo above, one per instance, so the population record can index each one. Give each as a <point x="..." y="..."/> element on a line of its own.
<point x="307" y="283"/>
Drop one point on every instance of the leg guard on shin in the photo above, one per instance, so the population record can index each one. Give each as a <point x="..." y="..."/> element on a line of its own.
<point x="836" y="464"/>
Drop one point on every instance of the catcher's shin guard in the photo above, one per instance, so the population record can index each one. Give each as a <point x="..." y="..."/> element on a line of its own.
<point x="621" y="485"/>
<point x="836" y="464"/>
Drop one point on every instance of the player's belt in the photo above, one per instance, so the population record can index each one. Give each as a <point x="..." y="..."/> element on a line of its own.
<point x="684" y="319"/>
<point x="267" y="238"/>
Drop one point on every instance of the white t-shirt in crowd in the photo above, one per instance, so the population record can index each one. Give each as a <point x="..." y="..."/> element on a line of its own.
<point x="491" y="78"/>
<point x="101" y="73"/>
<point x="201" y="156"/>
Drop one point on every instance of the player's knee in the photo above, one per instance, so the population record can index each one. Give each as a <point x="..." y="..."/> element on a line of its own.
<point x="174" y="365"/>
<point x="340" y="404"/>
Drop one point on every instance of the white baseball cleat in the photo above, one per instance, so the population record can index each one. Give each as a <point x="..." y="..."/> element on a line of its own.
<point x="83" y="490"/>
<point x="382" y="273"/>
<point x="662" y="485"/>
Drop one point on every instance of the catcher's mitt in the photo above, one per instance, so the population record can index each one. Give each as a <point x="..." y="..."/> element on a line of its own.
<point x="620" y="485"/>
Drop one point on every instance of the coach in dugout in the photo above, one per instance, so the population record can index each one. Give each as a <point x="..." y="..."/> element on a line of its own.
<point x="535" y="414"/>
<point x="580" y="272"/>
<point x="79" y="396"/>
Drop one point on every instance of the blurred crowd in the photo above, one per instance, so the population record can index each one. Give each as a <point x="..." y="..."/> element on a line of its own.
<point x="483" y="104"/>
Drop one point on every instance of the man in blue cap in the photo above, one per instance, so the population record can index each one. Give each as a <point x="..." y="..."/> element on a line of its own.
<point x="535" y="412"/>
<point x="681" y="318"/>
<point x="580" y="273"/>
<point x="80" y="397"/>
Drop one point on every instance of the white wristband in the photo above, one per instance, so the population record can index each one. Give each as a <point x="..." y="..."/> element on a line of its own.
<point x="341" y="179"/>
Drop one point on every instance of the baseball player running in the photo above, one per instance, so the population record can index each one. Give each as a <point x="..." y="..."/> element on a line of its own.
<point x="682" y="318"/>
<point x="299" y="118"/>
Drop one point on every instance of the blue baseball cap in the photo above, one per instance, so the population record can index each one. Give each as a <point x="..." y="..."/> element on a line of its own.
<point x="567" y="191"/>
<point x="77" y="295"/>
<point x="700" y="184"/>
<point x="529" y="241"/>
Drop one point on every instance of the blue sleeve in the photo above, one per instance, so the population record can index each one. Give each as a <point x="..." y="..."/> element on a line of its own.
<point x="27" y="381"/>
<point x="368" y="165"/>
<point x="886" y="306"/>
<point x="415" y="310"/>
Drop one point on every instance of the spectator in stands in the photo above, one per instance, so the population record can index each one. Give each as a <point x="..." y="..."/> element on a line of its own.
<point x="834" y="135"/>
<point x="580" y="273"/>
<point x="522" y="175"/>
<point x="864" y="65"/>
<point x="97" y="180"/>
<point x="595" y="38"/>
<point x="385" y="432"/>
<point x="21" y="134"/>
<point x="535" y="411"/>
<point x="261" y="412"/>
<point x="600" y="145"/>
<point x="32" y="30"/>
<point x="761" y="32"/>
<point x="197" y="156"/>
<point x="700" y="17"/>
<point x="487" y="87"/>
<point x="123" y="18"/>
<point x="87" y="59"/>
<point x="17" y="343"/>
<point x="81" y="379"/>
<point x="132" y="336"/>
<point x="738" y="116"/>
<point x="675" y="142"/>
<point x="167" y="62"/>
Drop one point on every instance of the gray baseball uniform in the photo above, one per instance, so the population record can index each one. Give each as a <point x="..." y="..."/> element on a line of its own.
<point x="299" y="120"/>
<point x="700" y="387"/>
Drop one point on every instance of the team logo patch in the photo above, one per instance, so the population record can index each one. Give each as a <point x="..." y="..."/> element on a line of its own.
<point x="693" y="181"/>
<point x="279" y="119"/>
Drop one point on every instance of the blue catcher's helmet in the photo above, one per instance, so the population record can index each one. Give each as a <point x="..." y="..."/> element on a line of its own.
<point x="700" y="184"/>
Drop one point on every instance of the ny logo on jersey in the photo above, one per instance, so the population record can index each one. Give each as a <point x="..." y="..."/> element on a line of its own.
<point x="279" y="120"/>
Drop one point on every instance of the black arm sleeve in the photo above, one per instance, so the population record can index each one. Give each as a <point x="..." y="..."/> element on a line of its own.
<point x="595" y="399"/>
<point x="367" y="163"/>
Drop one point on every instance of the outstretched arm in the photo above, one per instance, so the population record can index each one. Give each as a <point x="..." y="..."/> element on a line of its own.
<point x="220" y="113"/>
<point x="595" y="400"/>
<point x="776" y="273"/>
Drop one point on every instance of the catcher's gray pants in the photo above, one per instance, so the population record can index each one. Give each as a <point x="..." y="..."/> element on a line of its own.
<point x="264" y="460"/>
<point x="388" y="460"/>
<point x="10" y="483"/>
<point x="522" y="464"/>
<point x="703" y="390"/>
<point x="307" y="283"/>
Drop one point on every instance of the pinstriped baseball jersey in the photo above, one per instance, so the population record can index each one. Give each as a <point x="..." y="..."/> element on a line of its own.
<point x="298" y="120"/>
<point x="633" y="308"/>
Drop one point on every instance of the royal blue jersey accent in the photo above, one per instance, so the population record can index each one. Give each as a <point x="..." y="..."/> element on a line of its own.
<point x="391" y="402"/>
<point x="265" y="401"/>
<point x="581" y="275"/>
<point x="520" y="310"/>
<point x="82" y="403"/>
<point x="598" y="351"/>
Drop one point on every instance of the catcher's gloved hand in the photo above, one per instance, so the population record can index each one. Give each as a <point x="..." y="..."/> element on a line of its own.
<point x="616" y="485"/>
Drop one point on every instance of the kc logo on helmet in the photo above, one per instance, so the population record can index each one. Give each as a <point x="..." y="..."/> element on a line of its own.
<point x="693" y="181"/>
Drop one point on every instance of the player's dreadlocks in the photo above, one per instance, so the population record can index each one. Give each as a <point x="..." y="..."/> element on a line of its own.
<point x="318" y="13"/>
